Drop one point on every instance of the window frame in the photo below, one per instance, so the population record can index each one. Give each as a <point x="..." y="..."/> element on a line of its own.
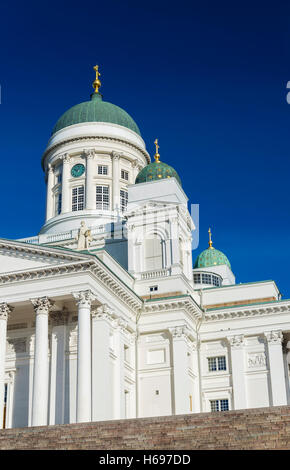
<point x="103" y="204"/>
<point x="79" y="204"/>
<point x="215" y="360"/>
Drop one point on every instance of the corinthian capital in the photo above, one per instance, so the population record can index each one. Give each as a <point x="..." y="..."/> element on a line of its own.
<point x="116" y="155"/>
<point x="103" y="312"/>
<point x="179" y="332"/>
<point x="84" y="298"/>
<point x="274" y="337"/>
<point x="236" y="341"/>
<point x="5" y="311"/>
<point x="42" y="305"/>
<point x="90" y="153"/>
<point x="65" y="158"/>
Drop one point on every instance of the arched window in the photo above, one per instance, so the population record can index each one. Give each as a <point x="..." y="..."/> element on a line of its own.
<point x="153" y="253"/>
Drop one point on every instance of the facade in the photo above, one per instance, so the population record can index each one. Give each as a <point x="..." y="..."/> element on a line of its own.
<point x="104" y="315"/>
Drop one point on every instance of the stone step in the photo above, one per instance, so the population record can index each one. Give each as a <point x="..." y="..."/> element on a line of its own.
<point x="260" y="428"/>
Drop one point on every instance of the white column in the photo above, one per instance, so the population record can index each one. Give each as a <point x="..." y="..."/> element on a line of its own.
<point x="276" y="366"/>
<point x="196" y="384"/>
<point x="175" y="253"/>
<point x="84" y="395"/>
<point x="57" y="367"/>
<point x="120" y="326"/>
<point x="238" y="371"/>
<point x="116" y="180"/>
<point x="40" y="372"/>
<point x="102" y="373"/>
<point x="136" y="169"/>
<point x="65" y="196"/>
<point x="90" y="189"/>
<point x="5" y="310"/>
<point x="49" y="195"/>
<point x="180" y="369"/>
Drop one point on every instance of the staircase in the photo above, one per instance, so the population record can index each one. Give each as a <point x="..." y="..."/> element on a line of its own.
<point x="260" y="428"/>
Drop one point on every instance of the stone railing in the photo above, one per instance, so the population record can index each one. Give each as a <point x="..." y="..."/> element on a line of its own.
<point x="57" y="237"/>
<point x="156" y="273"/>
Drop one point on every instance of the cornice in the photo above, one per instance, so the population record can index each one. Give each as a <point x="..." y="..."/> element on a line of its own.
<point x="250" y="311"/>
<point x="186" y="303"/>
<point x="90" y="137"/>
<point x="13" y="247"/>
<point x="94" y="266"/>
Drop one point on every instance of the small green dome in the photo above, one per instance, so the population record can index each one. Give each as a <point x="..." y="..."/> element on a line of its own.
<point x="155" y="171"/>
<point x="211" y="257"/>
<point x="96" y="110"/>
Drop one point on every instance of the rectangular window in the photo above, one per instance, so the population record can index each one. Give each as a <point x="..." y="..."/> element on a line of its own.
<point x="102" y="197"/>
<point x="153" y="288"/>
<point x="206" y="278"/>
<point x="123" y="200"/>
<point x="78" y="198"/>
<point x="217" y="363"/>
<point x="219" y="405"/>
<point x="215" y="281"/>
<point x="102" y="170"/>
<point x="124" y="175"/>
<point x="58" y="203"/>
<point x="196" y="278"/>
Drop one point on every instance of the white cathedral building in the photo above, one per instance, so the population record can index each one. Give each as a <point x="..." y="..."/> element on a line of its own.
<point x="104" y="315"/>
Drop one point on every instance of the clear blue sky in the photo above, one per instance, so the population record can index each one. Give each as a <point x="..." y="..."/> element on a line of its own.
<point x="207" y="78"/>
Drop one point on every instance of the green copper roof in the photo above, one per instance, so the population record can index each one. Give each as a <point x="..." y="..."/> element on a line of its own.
<point x="96" y="110"/>
<point x="155" y="171"/>
<point x="211" y="257"/>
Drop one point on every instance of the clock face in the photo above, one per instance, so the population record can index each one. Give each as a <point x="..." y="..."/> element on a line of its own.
<point x="77" y="170"/>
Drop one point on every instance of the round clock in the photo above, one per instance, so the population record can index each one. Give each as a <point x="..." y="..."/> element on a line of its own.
<point x="77" y="170"/>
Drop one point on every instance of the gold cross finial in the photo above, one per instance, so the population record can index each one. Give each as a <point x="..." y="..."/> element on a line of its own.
<point x="210" y="240"/>
<point x="96" y="82"/>
<point x="156" y="156"/>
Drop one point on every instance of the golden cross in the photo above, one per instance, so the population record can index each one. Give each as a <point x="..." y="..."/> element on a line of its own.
<point x="210" y="241"/>
<point x="156" y="156"/>
<point x="96" y="82"/>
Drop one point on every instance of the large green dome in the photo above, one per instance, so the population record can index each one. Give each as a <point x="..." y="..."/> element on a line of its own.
<point x="155" y="171"/>
<point x="211" y="257"/>
<point x="96" y="110"/>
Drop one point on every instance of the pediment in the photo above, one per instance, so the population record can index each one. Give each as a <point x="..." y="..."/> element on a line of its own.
<point x="19" y="256"/>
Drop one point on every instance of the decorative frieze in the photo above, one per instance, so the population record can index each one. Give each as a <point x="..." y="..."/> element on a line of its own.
<point x="256" y="360"/>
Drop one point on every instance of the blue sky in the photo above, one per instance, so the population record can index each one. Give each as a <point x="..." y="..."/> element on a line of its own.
<point x="207" y="78"/>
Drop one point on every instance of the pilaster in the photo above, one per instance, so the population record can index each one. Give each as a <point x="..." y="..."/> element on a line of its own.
<point x="90" y="192"/>
<point x="5" y="311"/>
<point x="65" y="196"/>
<point x="180" y="336"/>
<point x="238" y="371"/>
<point x="49" y="195"/>
<point x="102" y="373"/>
<point x="275" y="357"/>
